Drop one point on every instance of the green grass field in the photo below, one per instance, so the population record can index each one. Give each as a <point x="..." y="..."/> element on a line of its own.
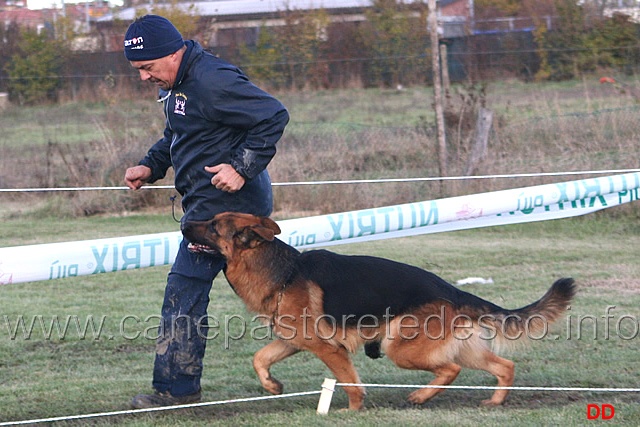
<point x="44" y="373"/>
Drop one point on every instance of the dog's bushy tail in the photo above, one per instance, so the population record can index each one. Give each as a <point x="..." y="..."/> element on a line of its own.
<point x="533" y="320"/>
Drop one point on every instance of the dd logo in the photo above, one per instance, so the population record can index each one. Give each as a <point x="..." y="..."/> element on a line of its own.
<point x="604" y="411"/>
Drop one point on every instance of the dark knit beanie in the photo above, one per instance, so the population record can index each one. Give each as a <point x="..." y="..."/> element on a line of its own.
<point x="151" y="37"/>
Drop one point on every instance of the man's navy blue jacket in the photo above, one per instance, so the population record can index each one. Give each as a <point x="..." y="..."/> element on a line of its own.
<point x="215" y="115"/>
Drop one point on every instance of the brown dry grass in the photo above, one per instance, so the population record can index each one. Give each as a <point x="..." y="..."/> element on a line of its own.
<point x="334" y="135"/>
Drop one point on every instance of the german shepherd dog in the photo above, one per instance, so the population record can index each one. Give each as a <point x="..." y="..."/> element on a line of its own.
<point x="331" y="304"/>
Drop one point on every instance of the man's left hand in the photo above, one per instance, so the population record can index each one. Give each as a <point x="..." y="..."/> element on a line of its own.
<point x="225" y="177"/>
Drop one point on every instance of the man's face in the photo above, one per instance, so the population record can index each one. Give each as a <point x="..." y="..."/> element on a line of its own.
<point x="161" y="71"/>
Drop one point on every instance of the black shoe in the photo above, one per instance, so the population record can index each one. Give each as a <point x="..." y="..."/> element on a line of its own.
<point x="156" y="400"/>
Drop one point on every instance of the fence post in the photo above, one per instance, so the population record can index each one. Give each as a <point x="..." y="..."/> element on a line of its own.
<point x="328" y="387"/>
<point x="437" y="87"/>
<point x="4" y="101"/>
<point x="481" y="140"/>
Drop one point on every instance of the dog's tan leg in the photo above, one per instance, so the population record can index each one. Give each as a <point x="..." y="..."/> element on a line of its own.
<point x="338" y="361"/>
<point x="268" y="355"/>
<point x="420" y="352"/>
<point x="445" y="375"/>
<point x="504" y="370"/>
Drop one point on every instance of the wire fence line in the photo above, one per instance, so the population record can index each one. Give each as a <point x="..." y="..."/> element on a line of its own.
<point x="158" y="409"/>
<point x="488" y="56"/>
<point x="335" y="182"/>
<point x="312" y="393"/>
<point x="513" y="388"/>
<point x="342" y="151"/>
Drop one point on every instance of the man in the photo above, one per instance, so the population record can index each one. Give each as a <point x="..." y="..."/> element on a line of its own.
<point x="220" y="135"/>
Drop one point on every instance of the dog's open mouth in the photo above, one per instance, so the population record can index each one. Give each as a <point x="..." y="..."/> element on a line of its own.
<point x="197" y="248"/>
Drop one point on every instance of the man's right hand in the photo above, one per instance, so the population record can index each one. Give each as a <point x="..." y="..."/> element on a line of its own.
<point x="136" y="176"/>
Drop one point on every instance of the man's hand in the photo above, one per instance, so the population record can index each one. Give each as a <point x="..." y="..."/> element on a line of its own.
<point x="136" y="176"/>
<point x="225" y="178"/>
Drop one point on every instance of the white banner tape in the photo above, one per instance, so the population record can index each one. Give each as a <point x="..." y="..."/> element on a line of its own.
<point x="538" y="203"/>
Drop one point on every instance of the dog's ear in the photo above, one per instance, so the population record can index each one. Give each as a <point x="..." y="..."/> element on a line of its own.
<point x="271" y="225"/>
<point x="251" y="236"/>
<point x="267" y="229"/>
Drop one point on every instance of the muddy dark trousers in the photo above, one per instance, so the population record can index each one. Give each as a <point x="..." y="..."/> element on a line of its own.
<point x="183" y="328"/>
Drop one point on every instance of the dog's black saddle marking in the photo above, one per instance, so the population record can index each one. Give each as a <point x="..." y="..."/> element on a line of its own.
<point x="357" y="286"/>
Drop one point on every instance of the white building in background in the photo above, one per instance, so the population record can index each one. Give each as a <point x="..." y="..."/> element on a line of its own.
<point x="231" y="20"/>
<point x="632" y="12"/>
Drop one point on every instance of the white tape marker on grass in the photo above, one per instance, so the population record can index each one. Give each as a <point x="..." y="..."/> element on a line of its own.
<point x="528" y="204"/>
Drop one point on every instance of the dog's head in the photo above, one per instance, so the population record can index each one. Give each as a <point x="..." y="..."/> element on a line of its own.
<point x="229" y="231"/>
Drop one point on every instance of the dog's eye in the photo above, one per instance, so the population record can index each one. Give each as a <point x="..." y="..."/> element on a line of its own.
<point x="212" y="229"/>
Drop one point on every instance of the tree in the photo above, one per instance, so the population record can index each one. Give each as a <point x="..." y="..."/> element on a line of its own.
<point x="488" y="9"/>
<point x="182" y="19"/>
<point x="561" y="44"/>
<point x="34" y="72"/>
<point x="9" y="38"/>
<point x="583" y="42"/>
<point x="262" y="61"/>
<point x="301" y="43"/>
<point x="611" y="43"/>
<point x="396" y="42"/>
<point x="291" y="55"/>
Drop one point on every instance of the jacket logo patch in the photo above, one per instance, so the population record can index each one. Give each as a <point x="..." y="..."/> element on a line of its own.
<point x="181" y="104"/>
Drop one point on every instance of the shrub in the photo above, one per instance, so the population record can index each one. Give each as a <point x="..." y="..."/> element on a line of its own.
<point x="34" y="72"/>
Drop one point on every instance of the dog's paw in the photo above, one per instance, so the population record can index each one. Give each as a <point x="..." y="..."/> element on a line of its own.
<point x="347" y="410"/>
<point x="490" y="403"/>
<point x="273" y="386"/>
<point x="418" y="397"/>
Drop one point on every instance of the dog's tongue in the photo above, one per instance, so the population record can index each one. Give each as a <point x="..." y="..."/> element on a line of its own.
<point x="197" y="248"/>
